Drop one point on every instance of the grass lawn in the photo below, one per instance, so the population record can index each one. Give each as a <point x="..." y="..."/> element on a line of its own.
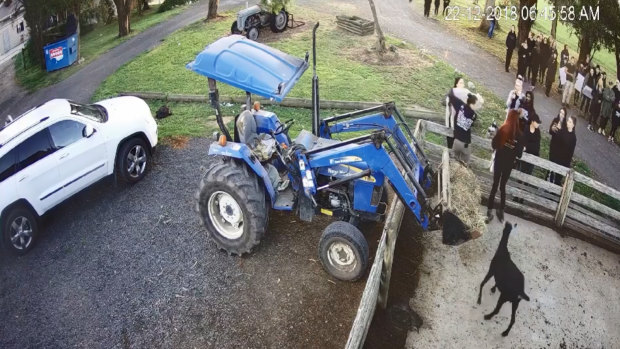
<point x="94" y="43"/>
<point x="343" y="68"/>
<point x="496" y="46"/>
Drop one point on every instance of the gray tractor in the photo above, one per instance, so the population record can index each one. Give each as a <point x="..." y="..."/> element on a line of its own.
<point x="251" y="19"/>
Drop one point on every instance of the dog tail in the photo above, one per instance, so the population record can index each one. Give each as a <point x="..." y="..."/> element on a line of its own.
<point x="524" y="296"/>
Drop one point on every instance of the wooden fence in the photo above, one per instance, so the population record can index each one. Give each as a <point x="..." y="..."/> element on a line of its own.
<point x="558" y="205"/>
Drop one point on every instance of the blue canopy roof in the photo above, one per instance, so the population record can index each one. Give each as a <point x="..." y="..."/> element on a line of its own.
<point x="250" y="66"/>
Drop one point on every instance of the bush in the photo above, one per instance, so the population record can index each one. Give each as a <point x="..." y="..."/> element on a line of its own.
<point x="106" y="11"/>
<point x="169" y="4"/>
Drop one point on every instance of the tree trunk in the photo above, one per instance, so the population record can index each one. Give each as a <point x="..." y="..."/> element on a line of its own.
<point x="525" y="24"/>
<point x="585" y="48"/>
<point x="212" y="14"/>
<point x="554" y="23"/>
<point x="484" y="22"/>
<point x="380" y="38"/>
<point x="123" y="10"/>
<point x="76" y="10"/>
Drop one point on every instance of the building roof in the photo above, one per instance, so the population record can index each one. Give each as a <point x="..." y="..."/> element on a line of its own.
<point x="6" y="12"/>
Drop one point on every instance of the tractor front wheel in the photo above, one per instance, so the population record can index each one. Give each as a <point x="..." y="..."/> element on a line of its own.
<point x="343" y="251"/>
<point x="231" y="204"/>
<point x="234" y="29"/>
<point x="252" y="33"/>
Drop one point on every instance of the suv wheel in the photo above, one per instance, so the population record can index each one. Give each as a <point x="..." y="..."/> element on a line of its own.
<point x="19" y="230"/>
<point x="133" y="160"/>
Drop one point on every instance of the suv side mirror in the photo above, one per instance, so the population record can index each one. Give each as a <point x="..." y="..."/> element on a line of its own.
<point x="88" y="131"/>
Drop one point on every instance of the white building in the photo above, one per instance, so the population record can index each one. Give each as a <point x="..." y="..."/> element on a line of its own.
<point x="13" y="30"/>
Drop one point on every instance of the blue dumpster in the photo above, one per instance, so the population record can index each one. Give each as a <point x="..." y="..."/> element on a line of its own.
<point x="61" y="53"/>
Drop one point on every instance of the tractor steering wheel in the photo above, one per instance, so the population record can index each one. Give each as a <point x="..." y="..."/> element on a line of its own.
<point x="284" y="127"/>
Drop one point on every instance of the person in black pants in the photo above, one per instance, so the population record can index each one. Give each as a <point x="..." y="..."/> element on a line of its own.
<point x="534" y="62"/>
<point x="545" y="55"/>
<point x="568" y="142"/>
<point x="531" y="142"/>
<point x="586" y="91"/>
<point x="522" y="59"/>
<point x="552" y="68"/>
<point x="558" y="125"/>
<point x="531" y="41"/>
<point x="437" y="7"/>
<point x="427" y="7"/>
<point x="615" y="122"/>
<point x="511" y="43"/>
<point x="446" y="3"/>
<point x="508" y="147"/>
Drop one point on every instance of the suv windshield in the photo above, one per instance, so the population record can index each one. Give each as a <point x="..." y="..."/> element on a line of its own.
<point x="90" y="111"/>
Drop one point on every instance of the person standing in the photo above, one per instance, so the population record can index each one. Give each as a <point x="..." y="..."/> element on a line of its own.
<point x="568" y="142"/>
<point x="569" y="86"/>
<point x="427" y="7"/>
<point x="558" y="125"/>
<point x="522" y="59"/>
<point x="531" y="143"/>
<point x="493" y="21"/>
<point x="508" y="148"/>
<point x="564" y="56"/>
<point x="454" y="104"/>
<point x="437" y="2"/>
<point x="595" y="107"/>
<point x="531" y="41"/>
<point x="607" y="106"/>
<point x="545" y="55"/>
<point x="534" y="62"/>
<point x="615" y="122"/>
<point x="515" y="95"/>
<point x="465" y="118"/>
<point x="446" y="3"/>
<point x="511" y="43"/>
<point x="552" y="67"/>
<point x="586" y="91"/>
<point x="581" y="75"/>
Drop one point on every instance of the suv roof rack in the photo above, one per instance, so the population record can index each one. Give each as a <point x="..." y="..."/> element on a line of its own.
<point x="23" y="131"/>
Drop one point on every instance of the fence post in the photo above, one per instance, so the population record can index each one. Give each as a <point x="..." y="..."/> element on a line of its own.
<point x="567" y="190"/>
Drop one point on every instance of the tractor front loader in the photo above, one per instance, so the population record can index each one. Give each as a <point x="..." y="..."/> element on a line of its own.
<point x="259" y="166"/>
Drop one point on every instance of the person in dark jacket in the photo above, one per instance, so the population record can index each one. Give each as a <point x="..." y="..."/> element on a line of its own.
<point x="511" y="43"/>
<point x="595" y="106"/>
<point x="564" y="56"/>
<point x="552" y="68"/>
<point x="527" y="103"/>
<point x="427" y="7"/>
<point x="534" y="62"/>
<point x="531" y="142"/>
<point x="522" y="60"/>
<point x="545" y="54"/>
<point x="465" y="117"/>
<point x="607" y="106"/>
<point x="558" y="125"/>
<point x="437" y="2"/>
<point x="531" y="42"/>
<point x="508" y="148"/>
<point x="615" y="122"/>
<point x="568" y="142"/>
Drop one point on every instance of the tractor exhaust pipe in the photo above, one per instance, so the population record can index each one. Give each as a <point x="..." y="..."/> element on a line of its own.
<point x="214" y="99"/>
<point x="315" y="86"/>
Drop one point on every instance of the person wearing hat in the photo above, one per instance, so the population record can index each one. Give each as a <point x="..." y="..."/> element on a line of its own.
<point x="531" y="142"/>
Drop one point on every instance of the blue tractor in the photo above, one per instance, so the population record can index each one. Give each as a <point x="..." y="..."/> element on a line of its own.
<point x="260" y="167"/>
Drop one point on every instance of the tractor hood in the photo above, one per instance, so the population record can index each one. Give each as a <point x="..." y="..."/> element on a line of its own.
<point x="250" y="66"/>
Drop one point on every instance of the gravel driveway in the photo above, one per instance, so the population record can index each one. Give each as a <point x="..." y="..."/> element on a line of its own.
<point x="132" y="267"/>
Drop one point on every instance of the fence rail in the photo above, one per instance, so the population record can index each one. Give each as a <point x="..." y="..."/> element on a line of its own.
<point x="559" y="205"/>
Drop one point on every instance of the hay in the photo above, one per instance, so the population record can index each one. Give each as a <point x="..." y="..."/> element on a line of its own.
<point x="465" y="196"/>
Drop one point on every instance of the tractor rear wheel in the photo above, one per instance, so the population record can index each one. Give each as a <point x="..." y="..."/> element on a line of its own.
<point x="279" y="22"/>
<point x="343" y="251"/>
<point x="232" y="207"/>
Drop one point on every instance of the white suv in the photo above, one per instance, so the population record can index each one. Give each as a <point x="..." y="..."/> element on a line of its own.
<point x="55" y="150"/>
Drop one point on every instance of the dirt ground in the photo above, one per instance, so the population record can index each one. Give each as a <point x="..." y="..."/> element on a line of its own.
<point x="574" y="290"/>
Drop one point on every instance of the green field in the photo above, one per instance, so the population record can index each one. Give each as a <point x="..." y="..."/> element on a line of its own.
<point x="93" y="44"/>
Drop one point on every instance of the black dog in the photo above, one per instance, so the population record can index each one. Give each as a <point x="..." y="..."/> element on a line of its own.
<point x="508" y="279"/>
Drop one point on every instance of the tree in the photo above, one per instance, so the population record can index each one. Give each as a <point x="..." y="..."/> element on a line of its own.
<point x="212" y="14"/>
<point x="485" y="23"/>
<point x="274" y="6"/>
<point x="123" y="10"/>
<point x="525" y="22"/>
<point x="590" y="32"/>
<point x="380" y="38"/>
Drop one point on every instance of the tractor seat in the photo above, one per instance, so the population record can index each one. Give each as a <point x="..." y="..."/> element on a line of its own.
<point x="263" y="146"/>
<point x="310" y="141"/>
